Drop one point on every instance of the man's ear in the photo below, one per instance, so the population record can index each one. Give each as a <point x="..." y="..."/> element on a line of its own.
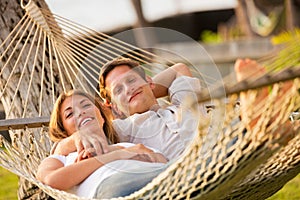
<point x="150" y="81"/>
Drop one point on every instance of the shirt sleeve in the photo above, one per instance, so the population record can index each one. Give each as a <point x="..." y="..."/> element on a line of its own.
<point x="61" y="158"/>
<point x="184" y="88"/>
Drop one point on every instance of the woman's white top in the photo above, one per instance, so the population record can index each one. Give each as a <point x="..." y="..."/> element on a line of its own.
<point x="88" y="187"/>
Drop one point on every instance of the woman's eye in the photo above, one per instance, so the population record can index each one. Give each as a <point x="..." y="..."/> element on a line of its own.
<point x="68" y="115"/>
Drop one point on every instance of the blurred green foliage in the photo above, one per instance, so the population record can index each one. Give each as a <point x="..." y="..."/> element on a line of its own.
<point x="210" y="37"/>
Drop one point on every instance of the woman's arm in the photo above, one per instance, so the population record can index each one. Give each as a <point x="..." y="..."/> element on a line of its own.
<point x="164" y="79"/>
<point x="52" y="172"/>
<point x="64" y="146"/>
<point x="82" y="140"/>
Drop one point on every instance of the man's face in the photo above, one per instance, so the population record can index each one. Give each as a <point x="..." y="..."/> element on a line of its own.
<point x="129" y="91"/>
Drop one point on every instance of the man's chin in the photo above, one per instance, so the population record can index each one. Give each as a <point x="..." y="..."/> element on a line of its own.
<point x="139" y="110"/>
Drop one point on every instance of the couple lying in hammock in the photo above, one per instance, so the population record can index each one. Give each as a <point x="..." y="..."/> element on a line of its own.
<point x="89" y="161"/>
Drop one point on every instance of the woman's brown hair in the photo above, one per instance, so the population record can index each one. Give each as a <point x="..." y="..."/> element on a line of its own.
<point x="57" y="131"/>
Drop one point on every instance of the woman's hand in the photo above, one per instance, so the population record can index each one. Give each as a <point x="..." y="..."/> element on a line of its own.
<point x="91" y="152"/>
<point x="137" y="152"/>
<point x="120" y="154"/>
<point x="139" y="148"/>
<point x="145" y="154"/>
<point x="85" y="154"/>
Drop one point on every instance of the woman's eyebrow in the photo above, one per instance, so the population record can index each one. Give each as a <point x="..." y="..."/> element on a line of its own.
<point x="67" y="109"/>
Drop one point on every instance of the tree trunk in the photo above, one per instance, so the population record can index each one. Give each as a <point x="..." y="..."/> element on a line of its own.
<point x="242" y="19"/>
<point x="144" y="37"/>
<point x="11" y="13"/>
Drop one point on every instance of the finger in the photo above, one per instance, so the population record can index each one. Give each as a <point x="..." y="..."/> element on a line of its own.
<point x="79" y="147"/>
<point x="100" y="145"/>
<point x="87" y="144"/>
<point x="98" y="148"/>
<point x="79" y="157"/>
<point x="142" y="157"/>
<point x="91" y="152"/>
<point x="105" y="147"/>
<point x="85" y="155"/>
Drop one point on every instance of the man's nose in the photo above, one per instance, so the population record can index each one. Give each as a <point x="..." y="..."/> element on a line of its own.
<point x="129" y="88"/>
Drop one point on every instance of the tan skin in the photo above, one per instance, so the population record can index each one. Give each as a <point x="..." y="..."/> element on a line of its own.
<point x="159" y="86"/>
<point x="78" y="112"/>
<point x="152" y="89"/>
<point x="246" y="68"/>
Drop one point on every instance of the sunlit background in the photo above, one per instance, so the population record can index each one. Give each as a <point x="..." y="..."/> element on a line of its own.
<point x="106" y="15"/>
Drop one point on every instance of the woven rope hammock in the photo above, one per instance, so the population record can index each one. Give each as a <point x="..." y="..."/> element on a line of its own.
<point x="46" y="54"/>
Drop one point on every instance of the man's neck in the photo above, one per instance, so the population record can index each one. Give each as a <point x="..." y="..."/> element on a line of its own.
<point x="155" y="107"/>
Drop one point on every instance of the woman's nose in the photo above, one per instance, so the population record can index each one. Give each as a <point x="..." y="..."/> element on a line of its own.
<point x="79" y="112"/>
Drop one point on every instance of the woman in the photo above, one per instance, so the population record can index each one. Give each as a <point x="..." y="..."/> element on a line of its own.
<point x="82" y="174"/>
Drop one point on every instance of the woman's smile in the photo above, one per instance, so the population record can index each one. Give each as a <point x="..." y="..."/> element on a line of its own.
<point x="85" y="121"/>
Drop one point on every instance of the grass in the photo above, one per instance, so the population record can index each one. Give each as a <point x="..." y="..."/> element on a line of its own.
<point x="291" y="191"/>
<point x="9" y="185"/>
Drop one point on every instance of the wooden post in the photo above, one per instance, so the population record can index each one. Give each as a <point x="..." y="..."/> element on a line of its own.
<point x="242" y="19"/>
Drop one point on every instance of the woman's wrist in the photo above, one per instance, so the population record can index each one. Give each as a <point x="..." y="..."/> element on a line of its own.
<point x="108" y="157"/>
<point x="114" y="148"/>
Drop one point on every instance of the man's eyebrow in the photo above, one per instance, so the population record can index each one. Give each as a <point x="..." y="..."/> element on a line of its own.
<point x="83" y="101"/>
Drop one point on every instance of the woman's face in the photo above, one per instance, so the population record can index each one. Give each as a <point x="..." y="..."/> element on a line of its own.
<point x="78" y="112"/>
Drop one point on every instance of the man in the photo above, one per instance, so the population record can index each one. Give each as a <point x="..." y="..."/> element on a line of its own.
<point x="123" y="83"/>
<point x="128" y="90"/>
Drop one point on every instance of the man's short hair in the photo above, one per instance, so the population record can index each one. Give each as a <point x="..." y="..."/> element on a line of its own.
<point x="109" y="66"/>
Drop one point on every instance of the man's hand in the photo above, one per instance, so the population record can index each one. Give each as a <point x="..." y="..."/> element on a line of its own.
<point x="85" y="154"/>
<point x="89" y="138"/>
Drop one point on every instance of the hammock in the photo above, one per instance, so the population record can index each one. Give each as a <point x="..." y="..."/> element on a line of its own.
<point x="46" y="54"/>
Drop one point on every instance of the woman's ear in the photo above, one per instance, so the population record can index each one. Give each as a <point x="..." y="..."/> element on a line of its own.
<point x="150" y="81"/>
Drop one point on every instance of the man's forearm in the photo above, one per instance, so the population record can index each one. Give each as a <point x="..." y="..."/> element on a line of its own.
<point x="164" y="79"/>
